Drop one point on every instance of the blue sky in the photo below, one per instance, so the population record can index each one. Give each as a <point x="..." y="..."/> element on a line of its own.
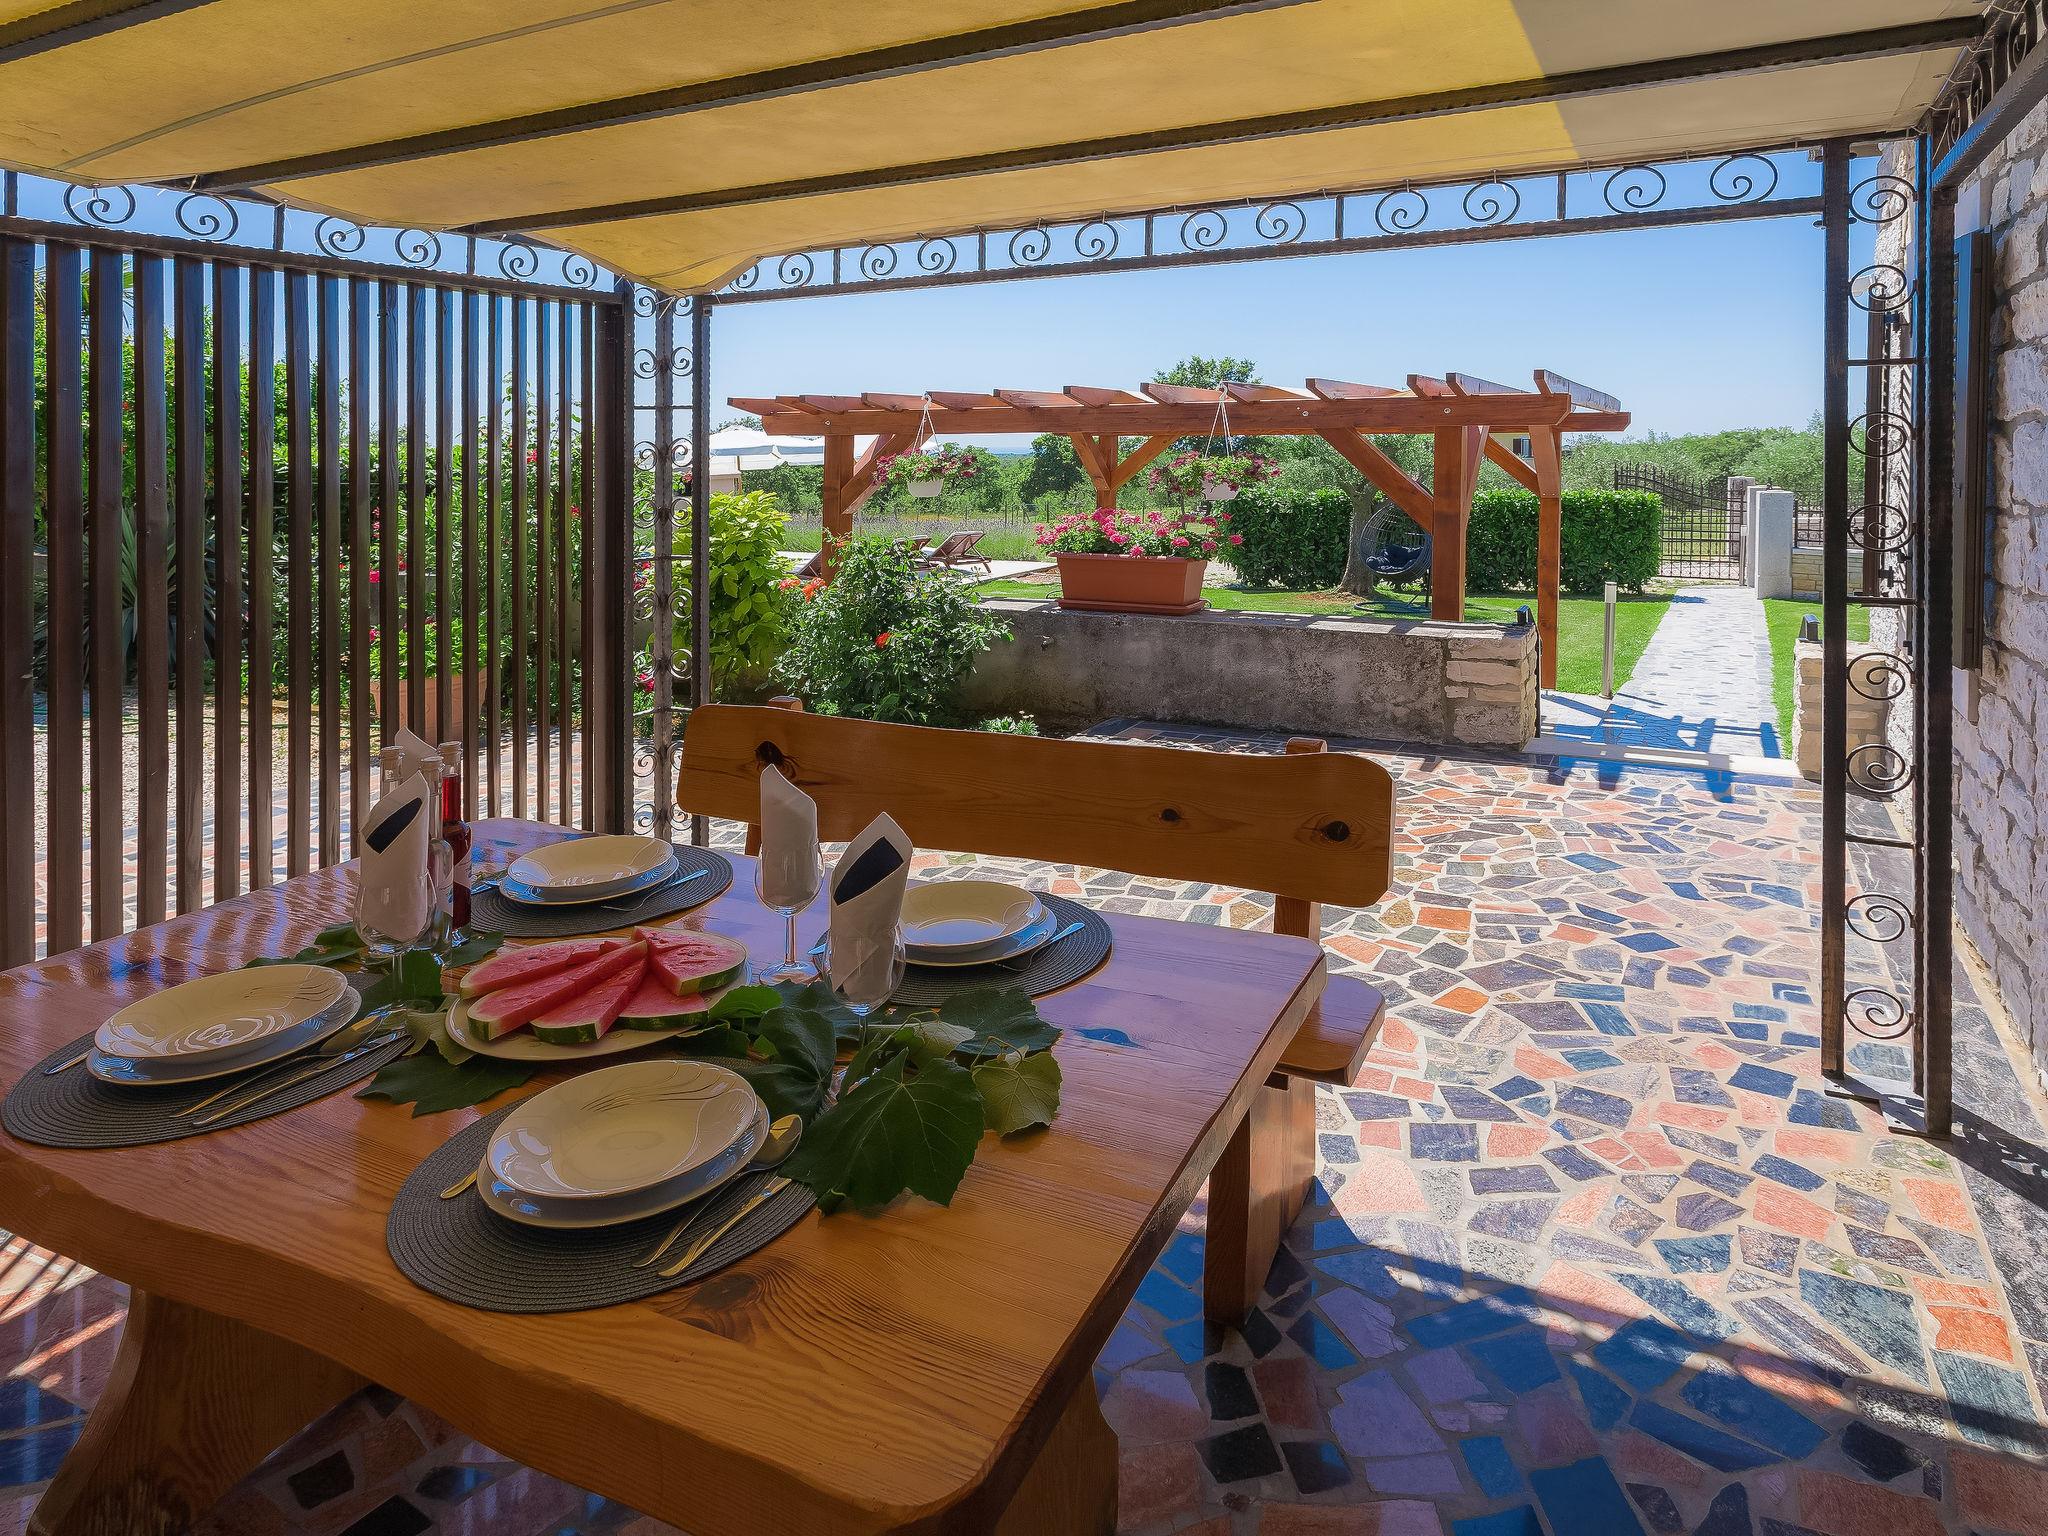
<point x="1696" y="329"/>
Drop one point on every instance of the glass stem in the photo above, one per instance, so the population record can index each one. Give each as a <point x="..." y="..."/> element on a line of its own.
<point x="789" y="945"/>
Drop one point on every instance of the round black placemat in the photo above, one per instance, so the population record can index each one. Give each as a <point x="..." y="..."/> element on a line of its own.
<point x="494" y="913"/>
<point x="76" y="1109"/>
<point x="1049" y="969"/>
<point x="463" y="1250"/>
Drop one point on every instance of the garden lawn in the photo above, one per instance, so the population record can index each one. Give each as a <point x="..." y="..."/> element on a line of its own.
<point x="1580" y="622"/>
<point x="1783" y="616"/>
<point x="1001" y="538"/>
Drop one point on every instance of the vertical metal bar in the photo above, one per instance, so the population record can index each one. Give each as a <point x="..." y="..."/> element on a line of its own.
<point x="565" y="585"/>
<point x="1933" y="975"/>
<point x="445" y="509"/>
<point x="417" y="592"/>
<point x="390" y="637"/>
<point x="262" y="576"/>
<point x="608" y="527"/>
<point x="298" y="412"/>
<point x="590" y="556"/>
<point x="700" y="527"/>
<point x="494" y="612"/>
<point x="327" y="412"/>
<point x="1876" y="458"/>
<point x="108" y="391"/>
<point x="227" y="565"/>
<point x="64" y="662"/>
<point x="361" y="499"/>
<point x="189" y="513"/>
<point x="472" y="311"/>
<point x="1834" y="601"/>
<point x="516" y="652"/>
<point x="152" y="597"/>
<point x="543" y="552"/>
<point x="17" y="552"/>
<point x="661" y="644"/>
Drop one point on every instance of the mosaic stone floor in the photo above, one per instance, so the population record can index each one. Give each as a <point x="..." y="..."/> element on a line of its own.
<point x="1591" y="1251"/>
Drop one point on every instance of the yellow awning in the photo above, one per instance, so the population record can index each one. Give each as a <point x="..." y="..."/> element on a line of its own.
<point x="822" y="122"/>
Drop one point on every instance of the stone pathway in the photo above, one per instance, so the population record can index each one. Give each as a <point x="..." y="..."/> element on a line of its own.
<point x="1702" y="685"/>
<point x="1591" y="1251"/>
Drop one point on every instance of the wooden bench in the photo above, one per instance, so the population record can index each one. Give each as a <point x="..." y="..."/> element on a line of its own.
<point x="1310" y="827"/>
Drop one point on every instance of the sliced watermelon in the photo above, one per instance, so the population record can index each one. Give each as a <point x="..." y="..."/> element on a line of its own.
<point x="499" y="1013"/>
<point x="583" y="1019"/>
<point x="697" y="962"/>
<point x="516" y="967"/>
<point x="655" y="1007"/>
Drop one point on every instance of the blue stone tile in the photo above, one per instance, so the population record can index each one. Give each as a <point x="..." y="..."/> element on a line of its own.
<point x="1337" y="1147"/>
<point x="1695" y="1085"/>
<point x="1684" y="888"/>
<point x="1317" y="1465"/>
<point x="33" y="1458"/>
<point x="1783" y="894"/>
<point x="1698" y="1210"/>
<point x="1591" y="1059"/>
<point x="1598" y="991"/>
<point x="1794" y="1037"/>
<point x="1520" y="1359"/>
<point x="1753" y="1413"/>
<point x="1781" y="1171"/>
<point x="1519" y="1521"/>
<point x="1591" y="1104"/>
<point x="1695" y="1255"/>
<point x="1990" y="1405"/>
<point x="1190" y="1340"/>
<point x="1377" y="1106"/>
<point x="1584" y="1499"/>
<point x="1811" y="1108"/>
<point x="1728" y="1515"/>
<point x="1760" y="1011"/>
<point x="1645" y="1353"/>
<point x="1686" y="976"/>
<point x="1452" y="1143"/>
<point x="1366" y="1271"/>
<point x="1320" y="1343"/>
<point x="1605" y="1402"/>
<point x="1700" y="1441"/>
<point x="1729" y="1181"/>
<point x="1647" y="943"/>
<point x="1469" y="1103"/>
<point x="1878" y="1320"/>
<point x="1608" y="1019"/>
<point x="1592" y="862"/>
<point x="1679" y="1304"/>
<point x="1521" y="1179"/>
<point x="1517" y="1087"/>
<point x="24" y="1405"/>
<point x="1748" y="1029"/>
<point x="1493" y="1468"/>
<point x="1173" y="1302"/>
<point x="1756" y="1079"/>
<point x="1574" y="1164"/>
<point x="1474" y="1319"/>
<point x="1183" y="1259"/>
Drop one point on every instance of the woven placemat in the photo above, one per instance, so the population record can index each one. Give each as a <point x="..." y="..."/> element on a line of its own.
<point x="464" y="1251"/>
<point x="1049" y="969"/>
<point x="76" y="1109"/>
<point x="494" y="913"/>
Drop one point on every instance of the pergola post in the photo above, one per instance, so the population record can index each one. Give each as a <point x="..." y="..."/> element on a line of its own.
<point x="1455" y="453"/>
<point x="835" y="507"/>
<point x="1546" y="450"/>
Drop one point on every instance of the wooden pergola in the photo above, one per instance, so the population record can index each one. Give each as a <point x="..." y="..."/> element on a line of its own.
<point x="1469" y="421"/>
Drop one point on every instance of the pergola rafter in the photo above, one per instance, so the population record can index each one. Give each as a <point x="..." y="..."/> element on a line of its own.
<point x="1465" y="417"/>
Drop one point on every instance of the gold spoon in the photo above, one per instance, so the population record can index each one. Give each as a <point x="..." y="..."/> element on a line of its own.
<point x="783" y="1136"/>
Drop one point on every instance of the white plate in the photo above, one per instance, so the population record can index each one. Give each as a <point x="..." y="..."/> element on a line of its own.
<point x="948" y="916"/>
<point x="533" y="896"/>
<point x="632" y="1129"/>
<point x="523" y="1045"/>
<point x="177" y="1073"/>
<point x="583" y="867"/>
<point x="615" y="1211"/>
<point x="1021" y="943"/>
<point x="221" y="1018"/>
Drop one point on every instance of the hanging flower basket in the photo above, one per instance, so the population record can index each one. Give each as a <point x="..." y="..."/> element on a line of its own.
<point x="927" y="474"/>
<point x="1219" y="477"/>
<point x="926" y="489"/>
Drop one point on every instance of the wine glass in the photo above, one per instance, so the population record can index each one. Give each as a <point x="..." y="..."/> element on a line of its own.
<point x="866" y="982"/>
<point x="394" y="909"/>
<point x="785" y="889"/>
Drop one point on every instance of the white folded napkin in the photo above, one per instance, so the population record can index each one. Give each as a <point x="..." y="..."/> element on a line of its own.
<point x="789" y="842"/>
<point x="397" y="890"/>
<point x="415" y="755"/>
<point x="867" y="904"/>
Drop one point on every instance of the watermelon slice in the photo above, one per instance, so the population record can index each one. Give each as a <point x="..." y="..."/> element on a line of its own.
<point x="516" y="967"/>
<point x="499" y="1013"/>
<point x="655" y="1007"/>
<point x="583" y="1019"/>
<point x="696" y="962"/>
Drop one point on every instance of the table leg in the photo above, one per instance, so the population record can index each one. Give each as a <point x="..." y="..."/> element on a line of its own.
<point x="194" y="1403"/>
<point x="1070" y="1490"/>
<point x="1256" y="1189"/>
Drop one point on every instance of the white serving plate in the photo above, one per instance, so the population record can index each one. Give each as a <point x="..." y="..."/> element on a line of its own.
<point x="949" y="916"/>
<point x="1022" y="942"/>
<point x="221" y="1018"/>
<point x="584" y="868"/>
<point x="569" y="1215"/>
<point x="629" y="1129"/>
<point x="177" y="1072"/>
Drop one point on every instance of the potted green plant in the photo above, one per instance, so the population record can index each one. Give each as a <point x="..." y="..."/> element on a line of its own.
<point x="1211" y="477"/>
<point x="1134" y="562"/>
<point x="928" y="472"/>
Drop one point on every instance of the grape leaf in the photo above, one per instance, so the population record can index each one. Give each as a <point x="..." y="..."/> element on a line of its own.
<point x="746" y="1003"/>
<point x="818" y="999"/>
<point x="415" y="978"/>
<point x="998" y="1019"/>
<point x="893" y="1132"/>
<point x="476" y="946"/>
<point x="1018" y="1091"/>
<point x="432" y="1085"/>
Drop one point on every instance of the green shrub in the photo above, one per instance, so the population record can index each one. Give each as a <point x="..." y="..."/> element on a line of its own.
<point x="887" y="641"/>
<point x="751" y="594"/>
<point x="1607" y="536"/>
<point x="1291" y="538"/>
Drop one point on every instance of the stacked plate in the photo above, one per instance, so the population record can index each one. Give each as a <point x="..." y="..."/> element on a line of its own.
<point x="221" y="1025"/>
<point x="621" y="1144"/>
<point x="972" y="922"/>
<point x="589" y="869"/>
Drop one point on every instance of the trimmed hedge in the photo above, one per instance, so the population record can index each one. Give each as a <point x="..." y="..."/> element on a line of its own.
<point x="1612" y="536"/>
<point x="1291" y="538"/>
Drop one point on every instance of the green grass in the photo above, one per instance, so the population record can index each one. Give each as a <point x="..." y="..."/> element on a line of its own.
<point x="1783" y="616"/>
<point x="1001" y="538"/>
<point x="1580" y="624"/>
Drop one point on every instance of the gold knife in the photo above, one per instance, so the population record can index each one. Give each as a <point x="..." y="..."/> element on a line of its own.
<point x="468" y="1179"/>
<point x="769" y="1191"/>
<point x="313" y="1069"/>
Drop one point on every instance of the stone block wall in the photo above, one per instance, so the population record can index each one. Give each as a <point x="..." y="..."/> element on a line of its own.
<point x="1869" y="707"/>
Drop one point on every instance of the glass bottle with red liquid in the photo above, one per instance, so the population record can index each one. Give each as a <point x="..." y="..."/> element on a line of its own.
<point x="455" y="831"/>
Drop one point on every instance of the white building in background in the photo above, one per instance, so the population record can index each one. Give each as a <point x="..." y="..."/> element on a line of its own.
<point x="735" y="450"/>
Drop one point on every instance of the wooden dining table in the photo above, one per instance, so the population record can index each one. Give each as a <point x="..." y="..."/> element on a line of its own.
<point x="926" y="1369"/>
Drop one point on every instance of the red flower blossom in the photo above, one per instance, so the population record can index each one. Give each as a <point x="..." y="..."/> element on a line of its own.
<point x="882" y="639"/>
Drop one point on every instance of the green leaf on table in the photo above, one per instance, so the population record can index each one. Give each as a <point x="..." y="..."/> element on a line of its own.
<point x="930" y="1036"/>
<point x="998" y="1019"/>
<point x="893" y="1132"/>
<point x="746" y="1003"/>
<point x="818" y="999"/>
<point x="1018" y="1090"/>
<point x="715" y="1040"/>
<point x="800" y="1037"/>
<point x="433" y="1085"/>
<point x="415" y="978"/>
<point x="478" y="946"/>
<point x="331" y="946"/>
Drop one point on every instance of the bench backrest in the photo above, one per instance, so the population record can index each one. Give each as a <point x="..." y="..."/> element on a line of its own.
<point x="1310" y="827"/>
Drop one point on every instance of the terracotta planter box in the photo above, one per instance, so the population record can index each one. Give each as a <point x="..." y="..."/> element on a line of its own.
<point x="1162" y="584"/>
<point x="462" y="688"/>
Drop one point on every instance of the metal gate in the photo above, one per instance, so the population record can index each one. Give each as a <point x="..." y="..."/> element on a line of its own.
<point x="1702" y="525"/>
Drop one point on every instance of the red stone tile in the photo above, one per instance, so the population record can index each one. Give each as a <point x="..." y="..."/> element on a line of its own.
<point x="1779" y="1207"/>
<point x="1463" y="1000"/>
<point x="1941" y="1202"/>
<point x="1551" y="1427"/>
<point x="1590" y="1297"/>
<point x="1836" y="1506"/>
<point x="1378" y="1079"/>
<point x="1504" y="1140"/>
<point x="1449" y="919"/>
<point x="1287" y="1388"/>
<point x="1711" y="1053"/>
<point x="1653" y="1149"/>
<point x="1352" y="947"/>
<point x="1396" y="1036"/>
<point x="1952" y="1292"/>
<point x="1414" y="1088"/>
<point x="1614" y="1151"/>
<point x="1575" y="933"/>
<point x="1802" y="1145"/>
<point x="1695" y="1117"/>
<point x="1380" y="1133"/>
<point x="1644" y="1460"/>
<point x="1582" y="1207"/>
<point x="1999" y="1492"/>
<point x="1156" y="1483"/>
<point x="1381" y="1186"/>
<point x="1392" y="1517"/>
<point x="1540" y="1065"/>
<point x="1152" y="1407"/>
<point x="1981" y="1333"/>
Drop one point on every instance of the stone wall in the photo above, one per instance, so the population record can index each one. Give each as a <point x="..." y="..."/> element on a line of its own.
<point x="1442" y="684"/>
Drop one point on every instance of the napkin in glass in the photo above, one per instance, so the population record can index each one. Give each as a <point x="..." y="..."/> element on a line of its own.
<point x="867" y="904"/>
<point x="415" y="756"/>
<point x="397" y="889"/>
<point x="789" y="842"/>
